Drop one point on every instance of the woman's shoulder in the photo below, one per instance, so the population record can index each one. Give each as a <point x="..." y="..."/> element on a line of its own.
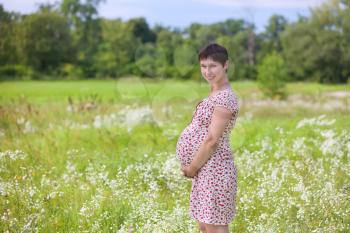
<point x="227" y="94"/>
<point x="227" y="98"/>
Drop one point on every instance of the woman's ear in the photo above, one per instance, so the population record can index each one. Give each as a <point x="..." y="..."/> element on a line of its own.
<point x="226" y="65"/>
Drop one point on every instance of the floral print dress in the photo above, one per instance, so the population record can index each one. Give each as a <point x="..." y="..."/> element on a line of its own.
<point x="214" y="187"/>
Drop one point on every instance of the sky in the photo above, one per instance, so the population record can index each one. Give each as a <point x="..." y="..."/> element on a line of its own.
<point x="181" y="13"/>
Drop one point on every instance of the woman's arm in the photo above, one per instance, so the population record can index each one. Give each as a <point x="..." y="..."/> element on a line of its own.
<point x="221" y="118"/>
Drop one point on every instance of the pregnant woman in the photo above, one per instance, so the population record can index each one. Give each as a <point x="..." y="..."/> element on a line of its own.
<point x="203" y="148"/>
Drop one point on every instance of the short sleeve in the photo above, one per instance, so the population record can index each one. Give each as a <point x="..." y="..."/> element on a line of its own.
<point x="228" y="100"/>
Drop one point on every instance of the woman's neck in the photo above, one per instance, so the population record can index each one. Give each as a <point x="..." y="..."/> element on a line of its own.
<point x="216" y="88"/>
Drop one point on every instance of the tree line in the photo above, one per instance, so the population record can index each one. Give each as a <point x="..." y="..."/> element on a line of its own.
<point x="69" y="40"/>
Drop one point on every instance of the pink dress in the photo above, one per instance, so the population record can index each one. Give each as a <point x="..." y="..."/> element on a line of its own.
<point x="214" y="188"/>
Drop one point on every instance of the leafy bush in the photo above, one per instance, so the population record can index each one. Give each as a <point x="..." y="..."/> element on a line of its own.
<point x="71" y="71"/>
<point x="272" y="74"/>
<point x="16" y="71"/>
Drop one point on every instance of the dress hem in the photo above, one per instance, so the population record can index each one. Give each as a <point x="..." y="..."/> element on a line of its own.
<point x="207" y="222"/>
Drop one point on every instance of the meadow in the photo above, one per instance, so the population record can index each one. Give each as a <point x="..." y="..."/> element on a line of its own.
<point x="99" y="156"/>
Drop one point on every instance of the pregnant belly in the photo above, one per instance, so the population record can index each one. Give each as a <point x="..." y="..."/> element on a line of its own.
<point x="186" y="147"/>
<point x="184" y="152"/>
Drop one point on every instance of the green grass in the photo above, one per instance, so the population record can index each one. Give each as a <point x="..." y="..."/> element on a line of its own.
<point x="99" y="156"/>
<point x="137" y="88"/>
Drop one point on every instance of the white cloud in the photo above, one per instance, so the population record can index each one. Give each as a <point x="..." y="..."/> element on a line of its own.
<point x="272" y="4"/>
<point x="183" y="12"/>
<point x="125" y="11"/>
<point x="134" y="8"/>
<point x="110" y="9"/>
<point x="23" y="6"/>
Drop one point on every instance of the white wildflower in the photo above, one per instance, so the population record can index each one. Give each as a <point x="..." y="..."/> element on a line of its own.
<point x="14" y="155"/>
<point x="70" y="108"/>
<point x="137" y="115"/>
<point x="319" y="121"/>
<point x="2" y="133"/>
<point x="28" y="127"/>
<point x="298" y="144"/>
<point x="21" y="121"/>
<point x="299" y="187"/>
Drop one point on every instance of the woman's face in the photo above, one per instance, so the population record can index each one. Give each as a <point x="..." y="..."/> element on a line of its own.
<point x="213" y="71"/>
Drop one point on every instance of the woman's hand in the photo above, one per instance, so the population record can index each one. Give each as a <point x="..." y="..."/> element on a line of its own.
<point x="189" y="171"/>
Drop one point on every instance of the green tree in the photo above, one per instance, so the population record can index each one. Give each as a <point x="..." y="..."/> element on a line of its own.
<point x="231" y="27"/>
<point x="185" y="61"/>
<point x="150" y="60"/>
<point x="318" y="48"/>
<point x="116" y="53"/>
<point x="85" y="29"/>
<point x="44" y="41"/>
<point x="8" y="25"/>
<point x="140" y="29"/>
<point x="270" y="40"/>
<point x="276" y="25"/>
<point x="272" y="74"/>
<point x="167" y="43"/>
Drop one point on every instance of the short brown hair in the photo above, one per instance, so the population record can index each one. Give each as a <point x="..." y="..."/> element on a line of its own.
<point x="214" y="51"/>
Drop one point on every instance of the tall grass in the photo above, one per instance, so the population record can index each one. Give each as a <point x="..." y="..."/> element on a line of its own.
<point x="98" y="156"/>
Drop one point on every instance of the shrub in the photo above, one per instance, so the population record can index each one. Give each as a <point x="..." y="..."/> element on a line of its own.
<point x="71" y="71"/>
<point x="272" y="74"/>
<point x="16" y="71"/>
